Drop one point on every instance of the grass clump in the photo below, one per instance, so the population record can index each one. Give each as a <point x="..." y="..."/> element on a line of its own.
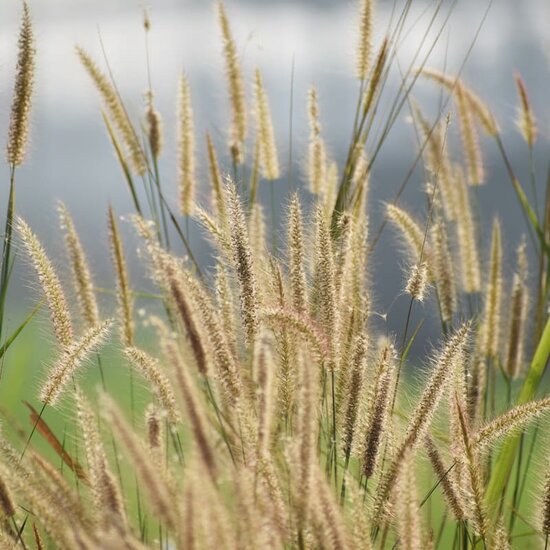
<point x="276" y="414"/>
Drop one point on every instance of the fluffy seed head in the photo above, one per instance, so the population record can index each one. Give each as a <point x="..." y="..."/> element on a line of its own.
<point x="154" y="127"/>
<point x="57" y="303"/>
<point x="151" y="369"/>
<point x="264" y="128"/>
<point x="186" y="148"/>
<point x="442" y="476"/>
<point x="417" y="282"/>
<point x="492" y="317"/>
<point x="470" y="270"/>
<point x="243" y="264"/>
<point x="413" y="234"/>
<point x="470" y="139"/>
<point x="117" y="113"/>
<point x="317" y="157"/>
<point x="443" y="270"/>
<point x="296" y="256"/>
<point x="22" y="96"/>
<point x="364" y="49"/>
<point x="71" y="359"/>
<point x="124" y="292"/>
<point x="526" y="121"/>
<point x="82" y="278"/>
<point x="236" y="88"/>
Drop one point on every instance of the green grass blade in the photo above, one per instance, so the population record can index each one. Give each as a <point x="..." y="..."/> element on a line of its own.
<point x="507" y="454"/>
<point x="11" y="339"/>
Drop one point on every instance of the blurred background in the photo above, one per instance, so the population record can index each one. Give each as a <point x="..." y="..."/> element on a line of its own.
<point x="71" y="158"/>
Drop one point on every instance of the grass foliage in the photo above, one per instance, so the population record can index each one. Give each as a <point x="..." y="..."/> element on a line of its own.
<point x="277" y="415"/>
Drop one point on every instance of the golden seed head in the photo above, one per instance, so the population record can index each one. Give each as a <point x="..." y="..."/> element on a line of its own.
<point x="526" y="121"/>
<point x="151" y="370"/>
<point x="124" y="292"/>
<point x="186" y="148"/>
<point x="443" y="270"/>
<point x="23" y="89"/>
<point x="236" y="88"/>
<point x="117" y="112"/>
<point x="317" y="156"/>
<point x="82" y="277"/>
<point x="264" y="128"/>
<point x="154" y="127"/>
<point x="417" y="282"/>
<point x="470" y="269"/>
<point x="492" y="313"/>
<point x="414" y="235"/>
<point x="73" y="357"/>
<point x="244" y="264"/>
<point x="364" y="49"/>
<point x="51" y="286"/>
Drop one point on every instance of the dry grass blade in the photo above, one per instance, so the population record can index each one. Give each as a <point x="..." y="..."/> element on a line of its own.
<point x="43" y="428"/>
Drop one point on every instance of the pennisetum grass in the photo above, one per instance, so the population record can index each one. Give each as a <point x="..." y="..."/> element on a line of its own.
<point x="268" y="412"/>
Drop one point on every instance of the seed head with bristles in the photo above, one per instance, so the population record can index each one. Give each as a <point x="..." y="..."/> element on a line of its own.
<point x="414" y="235"/>
<point x="478" y="108"/>
<point x="57" y="303"/>
<point x="470" y="140"/>
<point x="443" y="270"/>
<point x="442" y="476"/>
<point x="355" y="388"/>
<point x="546" y="506"/>
<point x="417" y="282"/>
<point x="236" y="88"/>
<point x="526" y="121"/>
<point x="71" y="359"/>
<point x="517" y="325"/>
<point x="124" y="292"/>
<point x="264" y="128"/>
<point x="467" y="240"/>
<point x="325" y="281"/>
<point x="438" y="162"/>
<point x="296" y="256"/>
<point x="243" y="264"/>
<point x="117" y="112"/>
<point x="107" y="497"/>
<point x="150" y="368"/>
<point x="406" y="506"/>
<point x="82" y="278"/>
<point x="160" y="498"/>
<point x="186" y="148"/>
<point x="468" y="456"/>
<point x="194" y="409"/>
<point x="492" y="319"/>
<point x="364" y="49"/>
<point x="317" y="157"/>
<point x="512" y="420"/>
<point x="22" y="95"/>
<point x="420" y="419"/>
<point x="154" y="127"/>
<point x="379" y="402"/>
<point x="218" y="196"/>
